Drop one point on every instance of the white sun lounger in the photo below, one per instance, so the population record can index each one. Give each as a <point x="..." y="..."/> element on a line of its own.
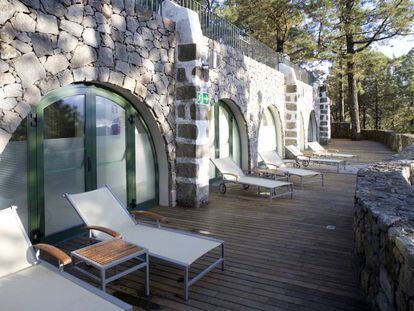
<point x="321" y="151"/>
<point x="101" y="208"/>
<point x="301" y="158"/>
<point x="231" y="173"/>
<point x="274" y="163"/>
<point x="26" y="283"/>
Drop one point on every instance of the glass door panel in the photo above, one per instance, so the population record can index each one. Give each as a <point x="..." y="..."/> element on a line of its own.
<point x="267" y="134"/>
<point x="13" y="174"/>
<point x="111" y="147"/>
<point x="224" y="139"/>
<point x="144" y="165"/>
<point x="211" y="140"/>
<point x="236" y="151"/>
<point x="63" y="161"/>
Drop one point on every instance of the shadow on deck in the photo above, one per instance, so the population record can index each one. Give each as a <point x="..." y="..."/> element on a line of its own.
<point x="281" y="256"/>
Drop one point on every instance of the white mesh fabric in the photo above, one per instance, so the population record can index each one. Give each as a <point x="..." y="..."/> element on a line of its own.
<point x="315" y="146"/>
<point x="272" y="157"/>
<point x="227" y="165"/>
<point x="294" y="150"/>
<point x="100" y="208"/>
<point x="169" y="245"/>
<point x="16" y="252"/>
<point x="39" y="288"/>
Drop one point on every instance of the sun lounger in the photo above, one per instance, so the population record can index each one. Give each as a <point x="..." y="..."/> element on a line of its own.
<point x="231" y="173"/>
<point x="274" y="163"/>
<point x="321" y="151"/>
<point x="305" y="160"/>
<point x="27" y="283"/>
<point x="101" y="208"/>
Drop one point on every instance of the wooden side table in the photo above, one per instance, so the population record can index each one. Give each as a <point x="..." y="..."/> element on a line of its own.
<point x="110" y="254"/>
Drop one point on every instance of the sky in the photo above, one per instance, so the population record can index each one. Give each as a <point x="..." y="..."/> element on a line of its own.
<point x="392" y="48"/>
<point x="396" y="47"/>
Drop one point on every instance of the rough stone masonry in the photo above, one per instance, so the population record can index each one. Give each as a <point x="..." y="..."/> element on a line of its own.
<point x="160" y="62"/>
<point x="384" y="232"/>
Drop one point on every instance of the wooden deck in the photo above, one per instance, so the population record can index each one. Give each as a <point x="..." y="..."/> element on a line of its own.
<point x="279" y="257"/>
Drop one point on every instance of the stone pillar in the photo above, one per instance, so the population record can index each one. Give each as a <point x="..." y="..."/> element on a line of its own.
<point x="291" y="131"/>
<point x="192" y="119"/>
<point x="325" y="116"/>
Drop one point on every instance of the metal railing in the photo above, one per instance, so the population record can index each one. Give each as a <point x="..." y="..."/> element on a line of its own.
<point x="219" y="29"/>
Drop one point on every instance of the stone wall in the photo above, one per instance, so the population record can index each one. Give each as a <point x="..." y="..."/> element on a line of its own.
<point x="395" y="141"/>
<point x="325" y="116"/>
<point x="384" y="232"/>
<point x="248" y="85"/>
<point x="47" y="44"/>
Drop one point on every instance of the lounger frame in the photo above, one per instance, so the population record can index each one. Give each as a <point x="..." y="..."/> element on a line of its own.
<point x="117" y="302"/>
<point x="305" y="160"/>
<point x="184" y="266"/>
<point x="321" y="161"/>
<point x="272" y="190"/>
<point x="311" y="178"/>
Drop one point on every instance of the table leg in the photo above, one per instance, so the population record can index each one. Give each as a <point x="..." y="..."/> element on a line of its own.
<point x="103" y="284"/>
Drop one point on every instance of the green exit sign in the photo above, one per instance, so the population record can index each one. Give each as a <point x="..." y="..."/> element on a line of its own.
<point x="202" y="98"/>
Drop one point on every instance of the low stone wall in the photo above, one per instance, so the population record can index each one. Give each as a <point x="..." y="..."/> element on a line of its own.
<point x="396" y="141"/>
<point x="384" y="232"/>
<point x="341" y="130"/>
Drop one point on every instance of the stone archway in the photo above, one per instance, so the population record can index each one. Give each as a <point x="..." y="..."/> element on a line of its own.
<point x="243" y="131"/>
<point x="54" y="51"/>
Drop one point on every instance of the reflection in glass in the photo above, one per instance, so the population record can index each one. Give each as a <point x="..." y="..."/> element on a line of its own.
<point x="236" y="155"/>
<point x="228" y="136"/>
<point x="267" y="132"/>
<point x="13" y="174"/>
<point x="111" y="147"/>
<point x="63" y="150"/>
<point x="211" y="140"/>
<point x="224" y="139"/>
<point x="144" y="164"/>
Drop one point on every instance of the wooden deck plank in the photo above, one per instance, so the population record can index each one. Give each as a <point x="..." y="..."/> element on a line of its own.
<point x="279" y="256"/>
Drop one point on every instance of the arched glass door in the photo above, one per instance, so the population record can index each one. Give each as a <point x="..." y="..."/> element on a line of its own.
<point x="224" y="135"/>
<point x="267" y="132"/>
<point x="312" y="130"/>
<point x="86" y="137"/>
<point x="270" y="133"/>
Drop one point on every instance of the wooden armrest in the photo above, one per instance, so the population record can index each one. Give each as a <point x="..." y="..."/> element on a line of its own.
<point x="332" y="150"/>
<point x="271" y="164"/>
<point x="308" y="153"/>
<point x="151" y="215"/>
<point x="61" y="256"/>
<point x="231" y="174"/>
<point x="108" y="231"/>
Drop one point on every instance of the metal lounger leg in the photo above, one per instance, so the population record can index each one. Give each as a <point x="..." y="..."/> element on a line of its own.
<point x="291" y="191"/>
<point x="186" y="283"/>
<point x="147" y="279"/>
<point x="222" y="256"/>
<point x="322" y="180"/>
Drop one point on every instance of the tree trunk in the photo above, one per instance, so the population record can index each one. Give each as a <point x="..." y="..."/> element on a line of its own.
<point x="364" y="115"/>
<point x="352" y="88"/>
<point x="377" y="113"/>
<point x="341" y="101"/>
<point x="280" y="45"/>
